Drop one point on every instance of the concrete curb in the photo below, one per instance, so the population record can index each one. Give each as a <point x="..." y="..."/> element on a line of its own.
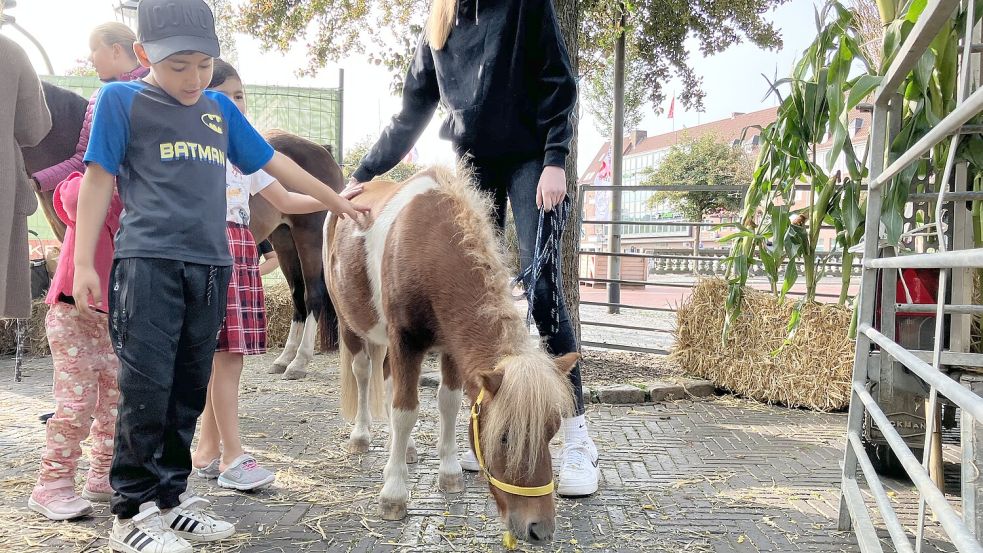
<point x="656" y="391"/>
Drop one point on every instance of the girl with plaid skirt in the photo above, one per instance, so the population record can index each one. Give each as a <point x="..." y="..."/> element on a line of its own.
<point x="220" y="453"/>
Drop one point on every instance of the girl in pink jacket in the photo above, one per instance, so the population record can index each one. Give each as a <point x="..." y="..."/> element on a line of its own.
<point x="85" y="388"/>
<point x="111" y="54"/>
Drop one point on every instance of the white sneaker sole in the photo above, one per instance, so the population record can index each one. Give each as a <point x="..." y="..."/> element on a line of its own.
<point x="96" y="497"/>
<point x="38" y="508"/>
<point x="578" y="489"/>
<point x="205" y="538"/>
<point x="470" y="466"/>
<point x="116" y="545"/>
<point x="229" y="484"/>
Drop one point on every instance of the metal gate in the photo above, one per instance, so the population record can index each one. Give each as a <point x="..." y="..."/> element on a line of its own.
<point x="882" y="366"/>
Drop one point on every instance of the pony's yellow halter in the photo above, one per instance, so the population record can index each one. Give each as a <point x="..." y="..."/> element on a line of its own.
<point x="525" y="491"/>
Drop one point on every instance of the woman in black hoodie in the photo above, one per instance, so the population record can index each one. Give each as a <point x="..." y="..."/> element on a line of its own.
<point x="501" y="71"/>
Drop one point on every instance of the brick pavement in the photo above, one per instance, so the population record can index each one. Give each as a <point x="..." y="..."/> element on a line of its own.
<point x="724" y="475"/>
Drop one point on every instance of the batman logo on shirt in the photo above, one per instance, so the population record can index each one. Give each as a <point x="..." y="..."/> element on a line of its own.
<point x="212" y="121"/>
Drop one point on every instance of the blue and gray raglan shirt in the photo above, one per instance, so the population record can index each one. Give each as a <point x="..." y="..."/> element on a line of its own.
<point x="169" y="162"/>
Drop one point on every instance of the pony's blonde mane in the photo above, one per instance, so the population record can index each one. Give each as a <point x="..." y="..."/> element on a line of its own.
<point x="479" y="240"/>
<point x="533" y="393"/>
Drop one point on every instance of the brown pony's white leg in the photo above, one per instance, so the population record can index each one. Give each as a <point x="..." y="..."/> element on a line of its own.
<point x="294" y="337"/>
<point x="405" y="377"/>
<point x="451" y="478"/>
<point x="361" y="436"/>
<point x="297" y="368"/>
<point x="395" y="489"/>
<point x="412" y="456"/>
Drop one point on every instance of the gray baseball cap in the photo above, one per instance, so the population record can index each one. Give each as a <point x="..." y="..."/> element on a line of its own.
<point x="166" y="27"/>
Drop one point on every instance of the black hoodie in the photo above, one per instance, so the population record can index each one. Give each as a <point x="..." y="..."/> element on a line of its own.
<point x="504" y="78"/>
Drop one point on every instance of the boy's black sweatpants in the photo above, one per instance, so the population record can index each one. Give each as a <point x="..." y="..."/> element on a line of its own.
<point x="164" y="321"/>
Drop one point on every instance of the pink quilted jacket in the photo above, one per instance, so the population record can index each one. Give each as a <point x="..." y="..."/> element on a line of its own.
<point x="66" y="205"/>
<point x="50" y="177"/>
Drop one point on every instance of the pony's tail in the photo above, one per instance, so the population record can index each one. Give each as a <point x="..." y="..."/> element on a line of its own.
<point x="349" y="385"/>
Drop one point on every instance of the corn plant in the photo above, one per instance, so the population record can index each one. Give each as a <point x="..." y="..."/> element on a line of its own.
<point x="832" y="77"/>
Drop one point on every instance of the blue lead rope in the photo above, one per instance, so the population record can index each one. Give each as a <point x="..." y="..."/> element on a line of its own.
<point x="546" y="253"/>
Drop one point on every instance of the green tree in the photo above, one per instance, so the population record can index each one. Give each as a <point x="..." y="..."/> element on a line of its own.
<point x="704" y="161"/>
<point x="225" y="27"/>
<point x="82" y="68"/>
<point x="657" y="31"/>
<point x="599" y="96"/>
<point x="354" y="155"/>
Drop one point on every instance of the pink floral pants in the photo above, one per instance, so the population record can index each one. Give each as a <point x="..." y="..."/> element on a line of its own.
<point x="85" y="392"/>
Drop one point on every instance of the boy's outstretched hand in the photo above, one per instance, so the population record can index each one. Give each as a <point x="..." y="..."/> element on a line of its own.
<point x="86" y="291"/>
<point x="347" y="210"/>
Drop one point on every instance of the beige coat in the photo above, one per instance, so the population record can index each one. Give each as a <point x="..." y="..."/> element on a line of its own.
<point x="24" y="121"/>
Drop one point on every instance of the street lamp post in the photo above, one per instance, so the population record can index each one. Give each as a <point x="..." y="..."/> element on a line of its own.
<point x="7" y="19"/>
<point x="126" y="10"/>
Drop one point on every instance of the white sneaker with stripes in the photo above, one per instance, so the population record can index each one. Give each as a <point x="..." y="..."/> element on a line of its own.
<point x="145" y="533"/>
<point x="190" y="521"/>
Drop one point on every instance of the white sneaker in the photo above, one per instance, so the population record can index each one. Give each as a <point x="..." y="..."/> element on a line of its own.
<point x="190" y="521"/>
<point x="145" y="533"/>
<point x="578" y="470"/>
<point x="468" y="461"/>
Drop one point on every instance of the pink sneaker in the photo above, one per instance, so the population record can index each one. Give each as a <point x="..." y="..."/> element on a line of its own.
<point x="57" y="500"/>
<point x="97" y="488"/>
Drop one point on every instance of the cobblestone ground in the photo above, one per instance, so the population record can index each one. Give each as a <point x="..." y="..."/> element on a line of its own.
<point x="723" y="475"/>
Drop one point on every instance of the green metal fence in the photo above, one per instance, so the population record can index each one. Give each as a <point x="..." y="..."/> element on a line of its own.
<point x="313" y="113"/>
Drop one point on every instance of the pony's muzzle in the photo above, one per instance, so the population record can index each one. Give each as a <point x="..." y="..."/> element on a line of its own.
<point x="535" y="532"/>
<point x="539" y="532"/>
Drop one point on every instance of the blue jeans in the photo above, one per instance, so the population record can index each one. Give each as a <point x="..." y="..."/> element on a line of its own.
<point x="515" y="181"/>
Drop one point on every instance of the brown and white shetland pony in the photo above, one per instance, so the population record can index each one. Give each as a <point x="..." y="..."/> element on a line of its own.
<point x="425" y="272"/>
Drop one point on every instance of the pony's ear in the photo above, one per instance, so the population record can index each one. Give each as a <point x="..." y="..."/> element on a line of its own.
<point x="566" y="363"/>
<point x="491" y="381"/>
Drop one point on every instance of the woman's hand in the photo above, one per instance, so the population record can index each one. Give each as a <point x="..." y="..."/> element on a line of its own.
<point x="352" y="189"/>
<point x="552" y="188"/>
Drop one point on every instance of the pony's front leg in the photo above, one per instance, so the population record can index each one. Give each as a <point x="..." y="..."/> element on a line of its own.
<point x="361" y="436"/>
<point x="451" y="479"/>
<point x="405" y="368"/>
<point x="297" y="369"/>
<point x="286" y="357"/>
<point x="412" y="456"/>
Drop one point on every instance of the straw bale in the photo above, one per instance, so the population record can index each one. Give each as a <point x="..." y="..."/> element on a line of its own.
<point x="36" y="340"/>
<point x="279" y="312"/>
<point x="812" y="371"/>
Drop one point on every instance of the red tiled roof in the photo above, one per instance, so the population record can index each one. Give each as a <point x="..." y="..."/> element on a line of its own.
<point x="726" y="130"/>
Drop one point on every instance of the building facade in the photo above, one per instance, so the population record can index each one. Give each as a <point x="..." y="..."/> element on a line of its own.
<point x="643" y="154"/>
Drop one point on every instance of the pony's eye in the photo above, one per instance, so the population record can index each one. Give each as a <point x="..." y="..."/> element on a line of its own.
<point x="505" y="438"/>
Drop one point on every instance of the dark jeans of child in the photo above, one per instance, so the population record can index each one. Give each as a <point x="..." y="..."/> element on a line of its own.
<point x="164" y="321"/>
<point x="515" y="181"/>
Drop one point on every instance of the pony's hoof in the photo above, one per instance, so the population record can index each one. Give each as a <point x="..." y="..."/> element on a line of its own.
<point x="412" y="457"/>
<point x="295" y="374"/>
<point x="358" y="446"/>
<point x="392" y="510"/>
<point x="451" y="483"/>
<point x="277" y="369"/>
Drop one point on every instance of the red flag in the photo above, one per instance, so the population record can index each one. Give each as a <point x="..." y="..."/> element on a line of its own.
<point x="604" y="173"/>
<point x="672" y="107"/>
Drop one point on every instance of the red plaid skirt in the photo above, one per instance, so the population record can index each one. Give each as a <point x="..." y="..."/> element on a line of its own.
<point x="244" y="330"/>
